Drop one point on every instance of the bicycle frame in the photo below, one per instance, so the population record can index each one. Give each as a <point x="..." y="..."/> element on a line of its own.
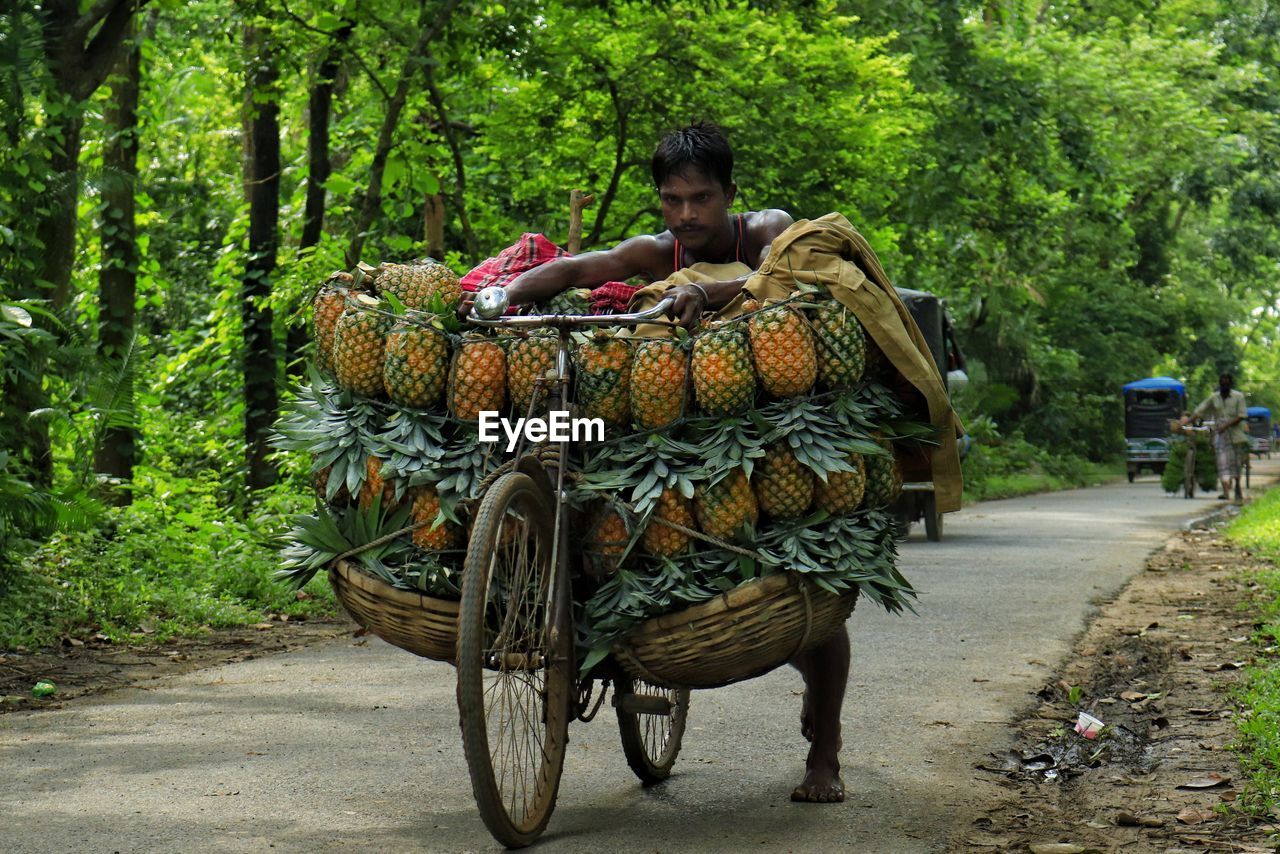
<point x="557" y="397"/>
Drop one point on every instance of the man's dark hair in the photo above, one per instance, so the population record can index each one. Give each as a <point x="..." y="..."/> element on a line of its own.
<point x="701" y="146"/>
<point x="1226" y="376"/>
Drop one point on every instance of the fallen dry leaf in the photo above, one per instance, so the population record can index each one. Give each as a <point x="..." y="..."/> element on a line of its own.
<point x="1207" y="781"/>
<point x="1132" y="696"/>
<point x="1057" y="848"/>
<point x="1196" y="815"/>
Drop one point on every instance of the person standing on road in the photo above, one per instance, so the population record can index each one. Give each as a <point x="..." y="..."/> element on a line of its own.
<point x="1227" y="409"/>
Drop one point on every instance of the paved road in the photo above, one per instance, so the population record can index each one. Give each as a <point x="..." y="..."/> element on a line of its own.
<point x="348" y="746"/>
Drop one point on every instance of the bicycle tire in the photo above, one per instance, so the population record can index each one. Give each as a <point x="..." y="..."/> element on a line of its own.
<point x="506" y="640"/>
<point x="651" y="742"/>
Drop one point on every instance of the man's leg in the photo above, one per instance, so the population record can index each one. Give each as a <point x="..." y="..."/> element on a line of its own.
<point x="826" y="674"/>
<point x="1224" y="454"/>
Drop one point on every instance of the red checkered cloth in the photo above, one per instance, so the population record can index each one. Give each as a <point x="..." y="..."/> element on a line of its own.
<point x="530" y="251"/>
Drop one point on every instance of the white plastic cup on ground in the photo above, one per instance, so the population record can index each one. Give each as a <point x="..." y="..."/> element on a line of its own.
<point x="1088" y="726"/>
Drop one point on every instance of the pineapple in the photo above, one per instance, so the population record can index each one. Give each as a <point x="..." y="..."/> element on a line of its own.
<point x="725" y="506"/>
<point x="723" y="379"/>
<point x="425" y="508"/>
<point x="783" y="487"/>
<point x="782" y="346"/>
<point x="320" y="480"/>
<point x="843" y="491"/>
<point x="416" y="364"/>
<point x="842" y="345"/>
<point x="879" y="368"/>
<point x="571" y="301"/>
<point x="607" y="538"/>
<point x="884" y="478"/>
<point x="477" y="379"/>
<point x="414" y="284"/>
<point x="604" y="378"/>
<point x="327" y="307"/>
<point x="660" y="540"/>
<point x="657" y="384"/>
<point x="359" y="346"/>
<point x="529" y="357"/>
<point x="375" y="484"/>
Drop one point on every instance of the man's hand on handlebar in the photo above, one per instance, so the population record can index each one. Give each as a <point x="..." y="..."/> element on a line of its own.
<point x="690" y="303"/>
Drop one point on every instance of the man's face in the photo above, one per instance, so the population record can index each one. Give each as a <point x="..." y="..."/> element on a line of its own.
<point x="695" y="207"/>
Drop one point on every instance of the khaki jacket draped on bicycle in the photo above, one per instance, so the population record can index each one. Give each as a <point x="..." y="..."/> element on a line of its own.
<point x="828" y="251"/>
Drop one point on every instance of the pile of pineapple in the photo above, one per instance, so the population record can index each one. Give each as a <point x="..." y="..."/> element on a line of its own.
<point x="761" y="443"/>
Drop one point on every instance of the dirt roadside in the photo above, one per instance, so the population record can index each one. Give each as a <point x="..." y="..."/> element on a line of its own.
<point x="86" y="667"/>
<point x="1157" y="666"/>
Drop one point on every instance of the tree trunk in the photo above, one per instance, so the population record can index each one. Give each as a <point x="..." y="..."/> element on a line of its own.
<point x="117" y="280"/>
<point x="417" y="55"/>
<point x="319" y="110"/>
<point x="619" y="164"/>
<point x="459" y="194"/>
<point x="79" y="50"/>
<point x="262" y="191"/>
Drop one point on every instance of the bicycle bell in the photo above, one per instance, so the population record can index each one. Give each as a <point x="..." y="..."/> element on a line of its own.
<point x="492" y="302"/>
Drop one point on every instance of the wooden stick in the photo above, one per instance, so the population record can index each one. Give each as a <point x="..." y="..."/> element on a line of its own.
<point x="577" y="201"/>
<point x="433" y="226"/>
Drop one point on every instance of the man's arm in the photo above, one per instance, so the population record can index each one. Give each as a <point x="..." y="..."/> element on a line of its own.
<point x="631" y="257"/>
<point x="1198" y="411"/>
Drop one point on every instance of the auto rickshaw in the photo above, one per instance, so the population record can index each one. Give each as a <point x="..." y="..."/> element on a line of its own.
<point x="930" y="314"/>
<point x="1260" y="430"/>
<point x="1149" y="406"/>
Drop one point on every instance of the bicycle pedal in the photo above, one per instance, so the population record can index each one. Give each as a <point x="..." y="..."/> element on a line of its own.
<point x="642" y="704"/>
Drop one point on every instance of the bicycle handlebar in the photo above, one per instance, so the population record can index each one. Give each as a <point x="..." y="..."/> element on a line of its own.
<point x="497" y="304"/>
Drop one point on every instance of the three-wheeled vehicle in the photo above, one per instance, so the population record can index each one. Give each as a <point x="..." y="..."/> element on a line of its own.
<point x="930" y="314"/>
<point x="1260" y="430"/>
<point x="1149" y="405"/>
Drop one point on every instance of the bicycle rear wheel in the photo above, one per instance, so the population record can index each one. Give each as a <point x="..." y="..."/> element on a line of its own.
<point x="514" y="661"/>
<point x="651" y="722"/>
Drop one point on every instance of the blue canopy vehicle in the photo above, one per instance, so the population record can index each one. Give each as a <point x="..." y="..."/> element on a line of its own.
<point x="1260" y="430"/>
<point x="1149" y="406"/>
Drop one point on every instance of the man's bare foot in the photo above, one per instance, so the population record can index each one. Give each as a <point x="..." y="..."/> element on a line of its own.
<point x="820" y="786"/>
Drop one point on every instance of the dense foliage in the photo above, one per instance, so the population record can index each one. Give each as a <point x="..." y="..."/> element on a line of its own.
<point x="1093" y="187"/>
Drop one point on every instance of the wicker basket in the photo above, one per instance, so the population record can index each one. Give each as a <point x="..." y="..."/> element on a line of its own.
<point x="421" y="624"/>
<point x="744" y="633"/>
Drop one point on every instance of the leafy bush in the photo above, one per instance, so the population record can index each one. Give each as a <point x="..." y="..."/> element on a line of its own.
<point x="999" y="467"/>
<point x="172" y="563"/>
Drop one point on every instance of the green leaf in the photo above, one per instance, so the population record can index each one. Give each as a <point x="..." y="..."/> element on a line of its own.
<point x="339" y="184"/>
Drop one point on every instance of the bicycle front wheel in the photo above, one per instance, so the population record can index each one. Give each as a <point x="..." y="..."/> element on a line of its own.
<point x="651" y="722"/>
<point x="514" y="661"/>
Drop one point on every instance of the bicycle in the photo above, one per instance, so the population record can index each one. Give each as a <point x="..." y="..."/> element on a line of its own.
<point x="518" y="686"/>
<point x="1189" y="461"/>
